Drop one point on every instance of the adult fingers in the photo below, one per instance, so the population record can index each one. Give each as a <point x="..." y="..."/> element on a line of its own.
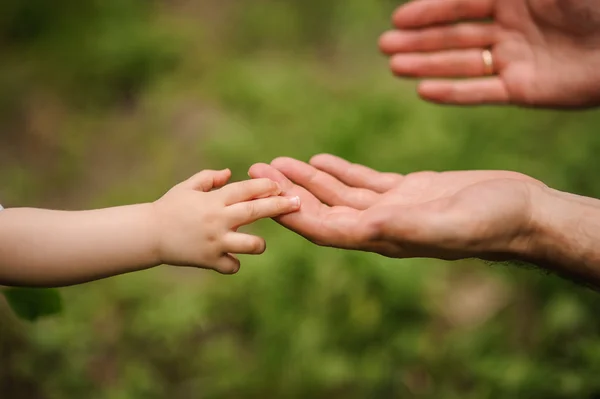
<point x="479" y="91"/>
<point x="459" y="36"/>
<point x="452" y="63"/>
<point x="423" y="13"/>
<point x="324" y="186"/>
<point x="355" y="175"/>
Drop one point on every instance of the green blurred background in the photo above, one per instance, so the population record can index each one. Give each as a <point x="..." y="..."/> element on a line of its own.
<point x="109" y="102"/>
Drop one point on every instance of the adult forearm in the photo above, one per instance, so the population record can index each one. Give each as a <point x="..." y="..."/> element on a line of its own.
<point x="55" y="248"/>
<point x="567" y="235"/>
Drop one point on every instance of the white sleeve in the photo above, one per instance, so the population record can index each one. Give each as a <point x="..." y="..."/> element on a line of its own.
<point x="1" y="207"/>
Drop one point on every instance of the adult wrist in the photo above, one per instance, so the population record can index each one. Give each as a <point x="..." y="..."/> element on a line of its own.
<point x="565" y="235"/>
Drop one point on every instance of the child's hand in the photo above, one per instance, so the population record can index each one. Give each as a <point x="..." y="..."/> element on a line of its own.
<point x="198" y="227"/>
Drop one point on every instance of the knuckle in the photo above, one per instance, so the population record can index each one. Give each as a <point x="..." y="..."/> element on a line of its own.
<point x="257" y="186"/>
<point x="212" y="238"/>
<point x="205" y="175"/>
<point x="526" y="178"/>
<point x="205" y="180"/>
<point x="263" y="182"/>
<point x="247" y="184"/>
<point x="390" y="178"/>
<point x="200" y="175"/>
<point x="339" y="196"/>
<point x="252" y="210"/>
<point x="424" y="176"/>
<point x="268" y="185"/>
<point x="254" y="185"/>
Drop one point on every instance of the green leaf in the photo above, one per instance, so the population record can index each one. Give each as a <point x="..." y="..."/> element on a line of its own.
<point x="32" y="303"/>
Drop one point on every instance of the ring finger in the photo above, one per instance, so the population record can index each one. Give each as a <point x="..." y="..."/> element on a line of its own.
<point x="454" y="63"/>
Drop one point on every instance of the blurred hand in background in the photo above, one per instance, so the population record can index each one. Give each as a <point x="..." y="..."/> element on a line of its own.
<point x="542" y="53"/>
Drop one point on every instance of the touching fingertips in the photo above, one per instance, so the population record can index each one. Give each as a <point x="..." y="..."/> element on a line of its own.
<point x="295" y="202"/>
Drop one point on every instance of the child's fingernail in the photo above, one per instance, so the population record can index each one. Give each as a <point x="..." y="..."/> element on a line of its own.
<point x="295" y="201"/>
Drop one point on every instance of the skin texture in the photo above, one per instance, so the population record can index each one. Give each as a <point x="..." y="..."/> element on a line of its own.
<point x="541" y="50"/>
<point x="194" y="224"/>
<point x="493" y="215"/>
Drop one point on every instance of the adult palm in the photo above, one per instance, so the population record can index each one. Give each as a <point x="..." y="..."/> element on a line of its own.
<point x="448" y="215"/>
<point x="546" y="52"/>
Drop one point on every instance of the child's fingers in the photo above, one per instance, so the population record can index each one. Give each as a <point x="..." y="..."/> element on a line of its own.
<point x="248" y="212"/>
<point x="228" y="264"/>
<point x="249" y="189"/>
<point x="356" y="175"/>
<point x="241" y="243"/>
<point x="207" y="180"/>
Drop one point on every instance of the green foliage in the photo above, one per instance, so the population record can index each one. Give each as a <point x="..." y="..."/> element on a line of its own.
<point x="32" y="304"/>
<point x="244" y="82"/>
<point x="92" y="51"/>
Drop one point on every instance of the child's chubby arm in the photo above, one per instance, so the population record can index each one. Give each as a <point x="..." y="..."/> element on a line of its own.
<point x="194" y="224"/>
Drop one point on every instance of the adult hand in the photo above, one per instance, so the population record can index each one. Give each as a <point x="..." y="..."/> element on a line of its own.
<point x="544" y="53"/>
<point x="448" y="215"/>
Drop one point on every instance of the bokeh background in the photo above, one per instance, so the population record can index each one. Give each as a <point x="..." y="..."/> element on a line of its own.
<point x="109" y="102"/>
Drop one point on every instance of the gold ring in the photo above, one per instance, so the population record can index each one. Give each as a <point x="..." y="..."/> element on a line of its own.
<point x="488" y="62"/>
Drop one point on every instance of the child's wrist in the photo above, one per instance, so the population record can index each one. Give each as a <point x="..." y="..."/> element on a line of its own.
<point x="154" y="224"/>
